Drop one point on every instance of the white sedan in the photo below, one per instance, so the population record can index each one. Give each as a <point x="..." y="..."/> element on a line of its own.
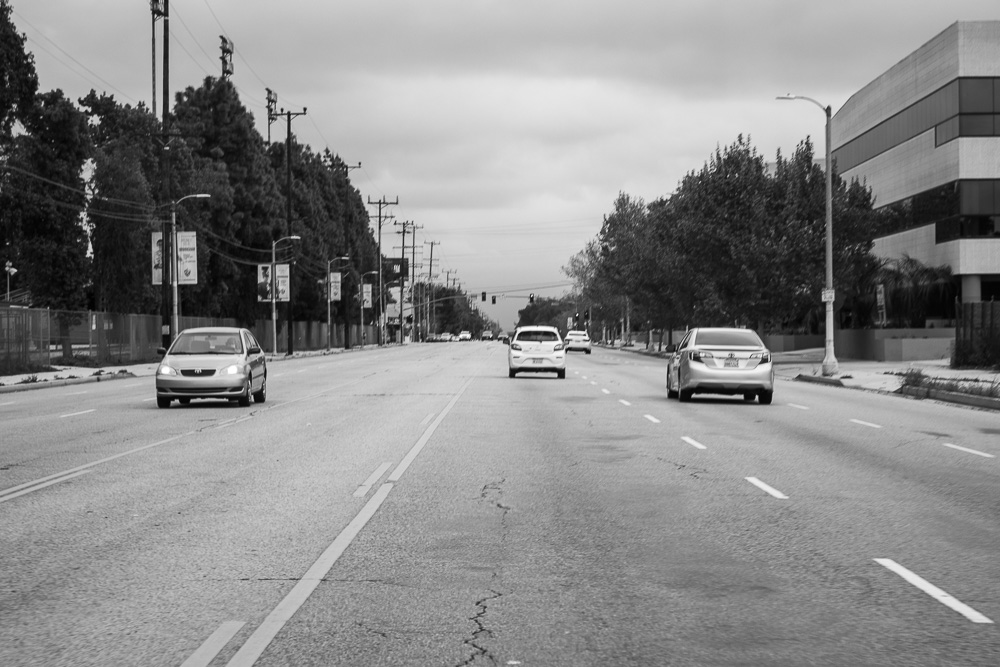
<point x="721" y="361"/>
<point x="536" y="349"/>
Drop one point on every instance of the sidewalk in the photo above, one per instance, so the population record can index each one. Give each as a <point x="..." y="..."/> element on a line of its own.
<point x="66" y="375"/>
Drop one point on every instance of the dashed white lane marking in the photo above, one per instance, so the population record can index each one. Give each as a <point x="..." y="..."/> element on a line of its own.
<point x="932" y="590"/>
<point x="583" y="377"/>
<point x="362" y="490"/>
<point x="797" y="406"/>
<point x="207" y="651"/>
<point x="7" y="403"/>
<point x="862" y="423"/>
<point x="75" y="414"/>
<point x="624" y="402"/>
<point x="76" y="393"/>
<point x="652" y="419"/>
<point x="767" y="488"/>
<point x="968" y="451"/>
<point x="147" y="400"/>
<point x="605" y="391"/>
<point x="693" y="442"/>
<point x="593" y="383"/>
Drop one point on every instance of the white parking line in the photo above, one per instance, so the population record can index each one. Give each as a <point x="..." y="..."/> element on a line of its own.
<point x="933" y="591"/>
<point x="869" y="424"/>
<point x="968" y="451"/>
<point x="797" y="406"/>
<point x="765" y="487"/>
<point x="693" y="442"/>
<point x="624" y="402"/>
<point x="652" y="419"/>
<point x="75" y="414"/>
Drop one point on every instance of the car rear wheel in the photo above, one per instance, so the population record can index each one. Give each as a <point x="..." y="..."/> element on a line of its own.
<point x="766" y="397"/>
<point x="511" y="373"/>
<point x="261" y="395"/>
<point x="162" y="402"/>
<point x="561" y="375"/>
<point x="749" y="396"/>
<point x="685" y="395"/>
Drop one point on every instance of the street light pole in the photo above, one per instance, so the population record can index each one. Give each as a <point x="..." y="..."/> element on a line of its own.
<point x="174" y="315"/>
<point x="274" y="288"/>
<point x="829" y="366"/>
<point x="329" y="286"/>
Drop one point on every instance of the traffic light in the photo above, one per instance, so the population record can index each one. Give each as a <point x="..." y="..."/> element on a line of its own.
<point x="494" y="300"/>
<point x="531" y="298"/>
<point x="484" y="296"/>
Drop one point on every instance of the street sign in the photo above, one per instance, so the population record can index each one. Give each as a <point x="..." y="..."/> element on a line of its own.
<point x="335" y="286"/>
<point x="828" y="296"/>
<point x="187" y="258"/>
<point x="281" y="274"/>
<point x="263" y="283"/>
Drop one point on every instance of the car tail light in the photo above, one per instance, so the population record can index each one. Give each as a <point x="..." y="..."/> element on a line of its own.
<point x="765" y="357"/>
<point x="701" y="355"/>
<point x="557" y="347"/>
<point x="515" y="346"/>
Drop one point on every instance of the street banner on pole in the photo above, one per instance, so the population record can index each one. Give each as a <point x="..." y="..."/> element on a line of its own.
<point x="281" y="274"/>
<point x="335" y="286"/>
<point x="264" y="283"/>
<point x="367" y="295"/>
<point x="187" y="258"/>
<point x="156" y="251"/>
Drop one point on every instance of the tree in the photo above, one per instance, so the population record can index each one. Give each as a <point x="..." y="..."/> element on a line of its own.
<point x="43" y="202"/>
<point x="18" y="80"/>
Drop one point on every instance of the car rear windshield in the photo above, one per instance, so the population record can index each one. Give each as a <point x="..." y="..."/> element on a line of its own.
<point x="736" y="337"/>
<point x="207" y="343"/>
<point x="538" y="336"/>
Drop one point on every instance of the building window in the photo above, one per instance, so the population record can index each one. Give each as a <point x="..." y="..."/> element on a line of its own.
<point x="975" y="95"/>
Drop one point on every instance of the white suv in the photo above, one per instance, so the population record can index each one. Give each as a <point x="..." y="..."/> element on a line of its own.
<point x="536" y="349"/>
<point x="578" y="340"/>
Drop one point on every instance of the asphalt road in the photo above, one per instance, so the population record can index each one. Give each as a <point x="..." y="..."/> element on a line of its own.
<point x="415" y="506"/>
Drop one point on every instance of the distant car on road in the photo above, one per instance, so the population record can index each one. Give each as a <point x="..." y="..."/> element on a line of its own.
<point x="464" y="335"/>
<point x="578" y="340"/>
<point x="212" y="362"/>
<point x="720" y="361"/>
<point x="487" y="335"/>
<point x="536" y="349"/>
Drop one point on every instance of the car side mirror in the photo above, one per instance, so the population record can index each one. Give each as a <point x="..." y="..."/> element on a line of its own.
<point x="253" y="350"/>
<point x="161" y="351"/>
<point x="671" y="349"/>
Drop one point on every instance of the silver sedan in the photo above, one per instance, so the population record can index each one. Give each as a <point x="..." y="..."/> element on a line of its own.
<point x="720" y="361"/>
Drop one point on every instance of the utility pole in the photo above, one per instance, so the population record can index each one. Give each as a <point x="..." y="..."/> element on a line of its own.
<point x="381" y="203"/>
<point x="289" y="115"/>
<point x="413" y="277"/>
<point x="166" y="333"/>
<point x="430" y="281"/>
<point x="156" y="9"/>
<point x="227" y="56"/>
<point x="402" y="278"/>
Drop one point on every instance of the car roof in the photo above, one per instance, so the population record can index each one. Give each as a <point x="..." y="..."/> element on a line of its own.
<point x="217" y="330"/>
<point x="537" y="327"/>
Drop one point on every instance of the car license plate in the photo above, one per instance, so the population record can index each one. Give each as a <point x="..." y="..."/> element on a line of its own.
<point x="537" y="361"/>
<point x="732" y="363"/>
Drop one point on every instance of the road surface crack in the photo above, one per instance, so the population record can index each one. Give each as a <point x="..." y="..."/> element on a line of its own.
<point x="480" y="632"/>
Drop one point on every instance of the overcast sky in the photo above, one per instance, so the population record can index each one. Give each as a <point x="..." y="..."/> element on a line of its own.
<point x="506" y="128"/>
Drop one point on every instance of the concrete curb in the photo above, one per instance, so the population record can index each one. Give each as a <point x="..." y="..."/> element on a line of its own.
<point x="45" y="384"/>
<point x="819" y="379"/>
<point x="970" y="400"/>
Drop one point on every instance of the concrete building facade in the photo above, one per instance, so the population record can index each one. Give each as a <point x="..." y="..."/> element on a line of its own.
<point x="926" y="135"/>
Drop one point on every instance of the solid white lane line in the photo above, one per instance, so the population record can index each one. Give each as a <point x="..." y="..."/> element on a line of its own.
<point x="362" y="490"/>
<point x="275" y="621"/>
<point x="215" y="643"/>
<point x="652" y="419"/>
<point x="968" y="451"/>
<point x="767" y="488"/>
<point x="412" y="454"/>
<point x="75" y="414"/>
<point x="797" y="406"/>
<point x="693" y="443"/>
<point x="624" y="402"/>
<point x="10" y="496"/>
<point x="65" y="473"/>
<point x="858" y="421"/>
<point x="427" y="419"/>
<point x="605" y="391"/>
<point x="933" y="591"/>
<point x="8" y="403"/>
